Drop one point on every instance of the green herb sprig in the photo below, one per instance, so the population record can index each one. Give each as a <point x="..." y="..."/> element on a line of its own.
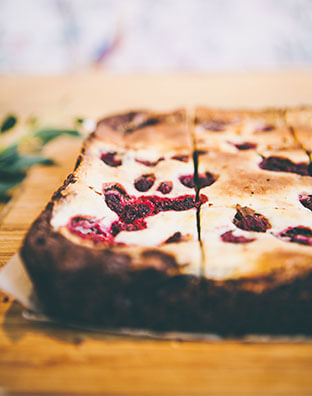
<point x="17" y="158"/>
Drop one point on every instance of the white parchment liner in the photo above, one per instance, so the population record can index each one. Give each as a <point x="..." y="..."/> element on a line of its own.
<point x="15" y="282"/>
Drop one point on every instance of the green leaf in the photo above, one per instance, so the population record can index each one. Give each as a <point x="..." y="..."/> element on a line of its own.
<point x="13" y="165"/>
<point x="4" y="199"/>
<point x="79" y="120"/>
<point x="9" y="155"/>
<point x="8" y="123"/>
<point x="46" y="135"/>
<point x="21" y="164"/>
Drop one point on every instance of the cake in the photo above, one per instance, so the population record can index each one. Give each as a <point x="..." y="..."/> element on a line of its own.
<point x="194" y="220"/>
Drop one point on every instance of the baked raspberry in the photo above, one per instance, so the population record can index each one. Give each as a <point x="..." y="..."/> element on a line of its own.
<point x="244" y="145"/>
<point x="231" y="238"/>
<point x="116" y="188"/>
<point x="183" y="203"/>
<point x="161" y="205"/>
<point x="176" y="237"/>
<point x="141" y="207"/>
<point x="134" y="211"/>
<point x="88" y="228"/>
<point x="206" y="179"/>
<point x="119" y="226"/>
<point x="113" y="201"/>
<point x="281" y="164"/>
<point x="306" y="201"/>
<point x="116" y="227"/>
<point x="299" y="234"/>
<point x="247" y="219"/>
<point x="150" y="163"/>
<point x="202" y="199"/>
<point x="182" y="158"/>
<point x="110" y="160"/>
<point x="187" y="181"/>
<point x="180" y="203"/>
<point x="165" y="187"/>
<point x="144" y="182"/>
<point x="265" y="128"/>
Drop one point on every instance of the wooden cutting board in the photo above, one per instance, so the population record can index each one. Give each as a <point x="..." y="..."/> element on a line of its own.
<point x="40" y="358"/>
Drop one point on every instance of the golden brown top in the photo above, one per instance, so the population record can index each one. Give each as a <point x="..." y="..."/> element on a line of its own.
<point x="248" y="171"/>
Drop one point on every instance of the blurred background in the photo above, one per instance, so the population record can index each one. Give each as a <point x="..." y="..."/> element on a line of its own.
<point x="57" y="36"/>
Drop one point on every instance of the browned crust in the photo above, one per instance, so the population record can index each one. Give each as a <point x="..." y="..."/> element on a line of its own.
<point x="100" y="287"/>
<point x="141" y="129"/>
<point x="203" y="113"/>
<point x="128" y="122"/>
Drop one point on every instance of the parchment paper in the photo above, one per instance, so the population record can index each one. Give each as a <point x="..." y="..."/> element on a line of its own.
<point x="15" y="282"/>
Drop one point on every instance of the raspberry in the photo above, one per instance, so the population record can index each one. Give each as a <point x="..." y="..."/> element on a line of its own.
<point x="231" y="238"/>
<point x="149" y="163"/>
<point x="306" y="201"/>
<point x="280" y="164"/>
<point x="109" y="159"/>
<point x="165" y="187"/>
<point x="265" y="128"/>
<point x="87" y="227"/>
<point x="182" y="158"/>
<point x="299" y="234"/>
<point x="131" y="212"/>
<point x="187" y="181"/>
<point x="176" y="237"/>
<point x="113" y="201"/>
<point x="245" y="145"/>
<point x="144" y="182"/>
<point x="206" y="179"/>
<point x="247" y="219"/>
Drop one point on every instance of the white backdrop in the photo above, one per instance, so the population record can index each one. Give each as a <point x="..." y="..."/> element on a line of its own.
<point x="54" y="36"/>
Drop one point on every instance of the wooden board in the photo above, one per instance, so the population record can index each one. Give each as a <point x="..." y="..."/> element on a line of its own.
<point x="39" y="358"/>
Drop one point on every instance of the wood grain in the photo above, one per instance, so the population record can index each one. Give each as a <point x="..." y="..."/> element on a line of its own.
<point x="37" y="358"/>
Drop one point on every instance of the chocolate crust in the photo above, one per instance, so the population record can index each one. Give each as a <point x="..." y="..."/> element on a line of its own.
<point x="100" y="288"/>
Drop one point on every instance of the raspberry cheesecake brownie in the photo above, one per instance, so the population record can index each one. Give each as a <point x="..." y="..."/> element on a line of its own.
<point x="121" y="234"/>
<point x="256" y="227"/>
<point x="180" y="222"/>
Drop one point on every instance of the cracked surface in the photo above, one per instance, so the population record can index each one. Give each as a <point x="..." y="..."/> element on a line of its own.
<point x="244" y="177"/>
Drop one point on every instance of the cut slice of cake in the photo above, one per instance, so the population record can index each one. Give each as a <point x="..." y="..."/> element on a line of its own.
<point x="256" y="227"/>
<point x="128" y="212"/>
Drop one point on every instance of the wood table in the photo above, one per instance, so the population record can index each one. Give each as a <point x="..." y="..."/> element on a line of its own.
<point x="40" y="358"/>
